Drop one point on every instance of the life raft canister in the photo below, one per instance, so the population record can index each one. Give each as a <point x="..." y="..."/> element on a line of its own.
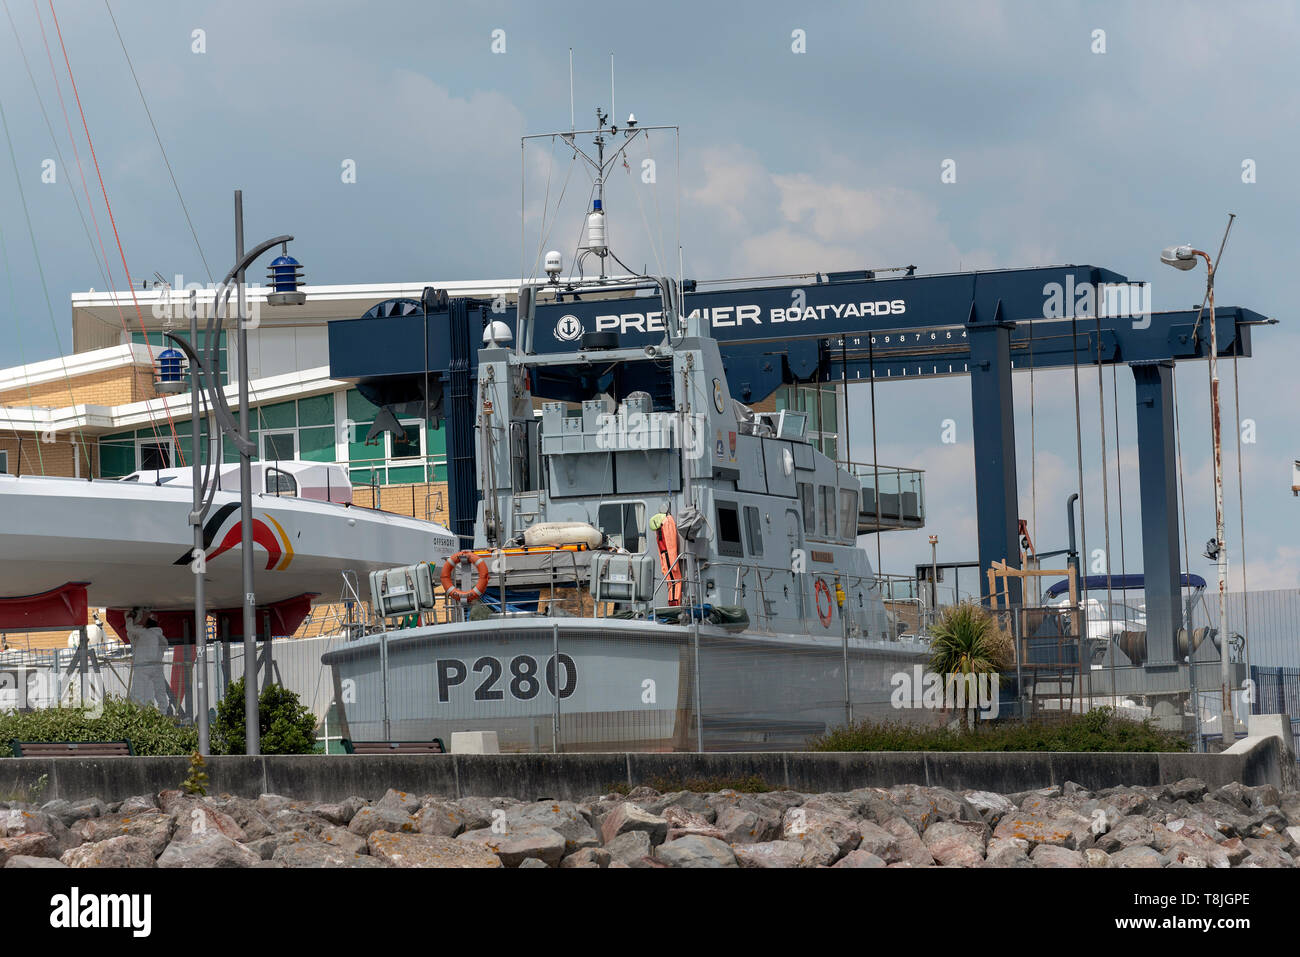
<point x="824" y="590"/>
<point x="465" y="557"/>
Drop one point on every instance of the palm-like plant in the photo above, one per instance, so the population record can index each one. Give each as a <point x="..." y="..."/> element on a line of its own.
<point x="965" y="640"/>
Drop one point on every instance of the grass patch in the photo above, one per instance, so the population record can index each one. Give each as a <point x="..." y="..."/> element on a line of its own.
<point x="1098" y="730"/>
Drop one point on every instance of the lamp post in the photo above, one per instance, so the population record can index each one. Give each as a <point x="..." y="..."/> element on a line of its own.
<point x="1184" y="257"/>
<point x="285" y="277"/>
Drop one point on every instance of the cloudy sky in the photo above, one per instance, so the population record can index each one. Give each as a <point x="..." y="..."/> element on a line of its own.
<point x="790" y="161"/>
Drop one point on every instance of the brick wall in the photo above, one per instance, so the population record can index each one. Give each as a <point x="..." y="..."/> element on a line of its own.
<point x="49" y="458"/>
<point x="109" y="387"/>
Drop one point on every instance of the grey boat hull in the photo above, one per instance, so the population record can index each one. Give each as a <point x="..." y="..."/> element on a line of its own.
<point x="589" y="685"/>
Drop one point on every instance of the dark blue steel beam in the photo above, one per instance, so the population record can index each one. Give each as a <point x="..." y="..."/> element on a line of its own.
<point x="1158" y="493"/>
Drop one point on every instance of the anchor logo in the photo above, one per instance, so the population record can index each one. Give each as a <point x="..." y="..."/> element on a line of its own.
<point x="568" y="329"/>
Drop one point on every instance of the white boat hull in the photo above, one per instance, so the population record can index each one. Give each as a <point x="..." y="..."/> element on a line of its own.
<point x="131" y="543"/>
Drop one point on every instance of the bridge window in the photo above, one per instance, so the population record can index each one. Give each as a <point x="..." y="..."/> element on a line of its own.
<point x="809" y="508"/>
<point x="729" y="543"/>
<point x="624" y="524"/>
<point x="848" y="512"/>
<point x="828" y="510"/>
<point x="280" y="482"/>
<point x="754" y="530"/>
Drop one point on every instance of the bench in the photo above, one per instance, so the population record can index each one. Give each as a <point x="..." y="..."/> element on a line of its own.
<point x="71" y="749"/>
<point x="434" y="746"/>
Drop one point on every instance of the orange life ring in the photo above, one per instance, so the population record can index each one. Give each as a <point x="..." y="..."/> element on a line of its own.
<point x="465" y="557"/>
<point x="821" y="588"/>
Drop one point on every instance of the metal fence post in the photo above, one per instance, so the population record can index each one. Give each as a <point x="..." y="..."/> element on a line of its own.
<point x="1016" y="634"/>
<point x="383" y="670"/>
<point x="557" y="684"/>
<point x="699" y="712"/>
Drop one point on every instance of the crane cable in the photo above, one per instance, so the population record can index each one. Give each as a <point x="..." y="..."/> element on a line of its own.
<point x="1105" y="508"/>
<point x="176" y="444"/>
<point x="1241" y="513"/>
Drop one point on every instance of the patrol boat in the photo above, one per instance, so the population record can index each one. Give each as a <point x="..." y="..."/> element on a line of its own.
<point x="655" y="566"/>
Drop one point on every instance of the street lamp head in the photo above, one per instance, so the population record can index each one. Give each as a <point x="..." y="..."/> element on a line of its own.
<point x="1180" y="257"/>
<point x="285" y="276"/>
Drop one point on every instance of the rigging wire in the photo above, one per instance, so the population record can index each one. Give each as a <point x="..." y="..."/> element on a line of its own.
<point x="107" y="269"/>
<point x="49" y="305"/>
<point x="113" y="222"/>
<point x="27" y="380"/>
<point x="156" y="136"/>
<point x="1119" y="469"/>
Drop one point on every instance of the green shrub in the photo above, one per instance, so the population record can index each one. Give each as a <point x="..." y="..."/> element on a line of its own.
<point x="287" y="727"/>
<point x="149" y="730"/>
<point x="1098" y="730"/>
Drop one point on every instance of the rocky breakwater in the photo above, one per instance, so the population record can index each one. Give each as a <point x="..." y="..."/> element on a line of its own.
<point x="1185" y="824"/>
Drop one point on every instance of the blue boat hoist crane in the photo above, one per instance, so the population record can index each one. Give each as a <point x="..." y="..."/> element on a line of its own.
<point x="845" y="327"/>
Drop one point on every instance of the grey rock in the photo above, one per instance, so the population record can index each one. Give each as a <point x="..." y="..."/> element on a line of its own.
<point x="152" y="826"/>
<point x="370" y="819"/>
<point x="39" y="844"/>
<point x="531" y="862"/>
<point x="859" y="858"/>
<point x="195" y="817"/>
<point x="1038" y="829"/>
<point x="629" y="848"/>
<point x="268" y="804"/>
<point x="265" y="847"/>
<point x="586" y="857"/>
<point x="769" y="854"/>
<point x="628" y="817"/>
<point x="1007" y="852"/>
<point x="1137" y="856"/>
<point x="1187" y="789"/>
<point x="316" y="854"/>
<point x="952" y="844"/>
<point x="123" y="851"/>
<point x="514" y="843"/>
<point x="432" y="850"/>
<point x="26" y="860"/>
<point x="210" y="849"/>
<point x="1133" y="830"/>
<point x="696" y="851"/>
<point x="874" y="839"/>
<point x="781" y="801"/>
<point x="738" y="826"/>
<point x="246" y="815"/>
<point x="908" y="847"/>
<point x="1095" y="857"/>
<point x="399" y="801"/>
<point x="337" y="814"/>
<point x="1266" y="854"/>
<point x="1050" y="855"/>
<point x="443" y="818"/>
<point x="138" y="804"/>
<point x="341" y="838"/>
<point x="992" y="806"/>
<point x="800" y="823"/>
<point x="563" y="817"/>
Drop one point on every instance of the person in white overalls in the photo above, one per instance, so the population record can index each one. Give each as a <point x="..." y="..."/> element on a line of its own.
<point x="148" y="645"/>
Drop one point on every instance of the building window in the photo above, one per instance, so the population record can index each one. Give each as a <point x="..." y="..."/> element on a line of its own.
<point x="153" y="454"/>
<point x="281" y="446"/>
<point x="410" y="446"/>
<point x="4" y="462"/>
